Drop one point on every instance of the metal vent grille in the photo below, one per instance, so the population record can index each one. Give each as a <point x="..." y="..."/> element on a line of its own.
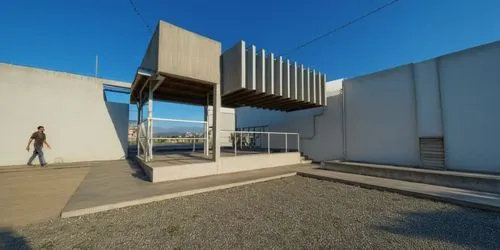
<point x="432" y="152"/>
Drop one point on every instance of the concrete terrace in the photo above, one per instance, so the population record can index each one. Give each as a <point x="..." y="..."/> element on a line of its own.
<point x="31" y="195"/>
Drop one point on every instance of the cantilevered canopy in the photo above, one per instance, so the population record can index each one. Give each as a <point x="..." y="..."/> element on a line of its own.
<point x="257" y="79"/>
<point x="179" y="65"/>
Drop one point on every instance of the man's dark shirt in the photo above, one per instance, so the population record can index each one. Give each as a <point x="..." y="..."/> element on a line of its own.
<point x="39" y="138"/>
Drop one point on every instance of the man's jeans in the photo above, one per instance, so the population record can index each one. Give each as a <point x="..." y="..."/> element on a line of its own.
<point x="38" y="151"/>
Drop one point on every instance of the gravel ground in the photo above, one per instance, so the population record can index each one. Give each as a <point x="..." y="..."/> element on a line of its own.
<point x="290" y="213"/>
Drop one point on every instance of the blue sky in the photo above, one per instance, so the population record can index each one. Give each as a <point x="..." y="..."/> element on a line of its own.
<point x="66" y="35"/>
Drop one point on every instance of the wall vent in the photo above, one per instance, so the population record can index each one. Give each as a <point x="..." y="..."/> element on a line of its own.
<point x="432" y="154"/>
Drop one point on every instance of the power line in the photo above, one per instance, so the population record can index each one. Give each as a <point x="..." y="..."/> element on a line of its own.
<point x="140" y="16"/>
<point x="343" y="26"/>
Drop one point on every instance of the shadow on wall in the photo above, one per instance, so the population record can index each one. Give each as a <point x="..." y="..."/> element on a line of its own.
<point x="11" y="240"/>
<point x="119" y="114"/>
<point x="474" y="229"/>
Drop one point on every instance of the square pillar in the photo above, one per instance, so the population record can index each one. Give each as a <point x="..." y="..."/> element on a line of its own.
<point x="216" y="122"/>
<point x="206" y="142"/>
<point x="150" y="123"/>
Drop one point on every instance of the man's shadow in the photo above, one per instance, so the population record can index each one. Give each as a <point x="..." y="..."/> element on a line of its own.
<point x="11" y="240"/>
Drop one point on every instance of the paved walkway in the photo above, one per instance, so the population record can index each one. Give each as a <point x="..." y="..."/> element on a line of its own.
<point x="31" y="195"/>
<point x="121" y="186"/>
<point x="35" y="195"/>
<point x="475" y="199"/>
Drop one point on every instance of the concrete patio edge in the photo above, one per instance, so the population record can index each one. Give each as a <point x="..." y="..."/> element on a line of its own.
<point x="102" y="208"/>
<point x="484" y="205"/>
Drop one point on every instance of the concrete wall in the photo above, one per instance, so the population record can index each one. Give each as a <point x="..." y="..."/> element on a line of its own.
<point x="470" y="97"/>
<point x="380" y="118"/>
<point x="315" y="133"/>
<point x="80" y="125"/>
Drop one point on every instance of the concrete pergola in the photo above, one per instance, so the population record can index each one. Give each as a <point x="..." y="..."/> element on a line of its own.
<point x="185" y="67"/>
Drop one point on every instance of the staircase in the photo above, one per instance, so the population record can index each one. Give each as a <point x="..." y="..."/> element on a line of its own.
<point x="304" y="159"/>
<point x="469" y="181"/>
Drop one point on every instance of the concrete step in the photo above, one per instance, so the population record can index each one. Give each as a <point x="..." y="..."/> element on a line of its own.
<point x="306" y="161"/>
<point x="469" y="181"/>
<point x="462" y="197"/>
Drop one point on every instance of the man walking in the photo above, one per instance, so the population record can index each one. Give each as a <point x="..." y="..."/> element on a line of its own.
<point x="40" y="139"/>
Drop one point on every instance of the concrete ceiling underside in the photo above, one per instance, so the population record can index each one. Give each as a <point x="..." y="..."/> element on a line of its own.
<point x="172" y="89"/>
<point x="251" y="98"/>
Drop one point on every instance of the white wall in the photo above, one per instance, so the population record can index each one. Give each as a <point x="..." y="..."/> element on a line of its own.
<point x="80" y="126"/>
<point x="470" y="87"/>
<point x="328" y="126"/>
<point x="380" y="118"/>
<point x="429" y="117"/>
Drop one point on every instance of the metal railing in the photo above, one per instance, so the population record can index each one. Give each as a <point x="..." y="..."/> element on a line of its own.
<point x="146" y="136"/>
<point x="246" y="139"/>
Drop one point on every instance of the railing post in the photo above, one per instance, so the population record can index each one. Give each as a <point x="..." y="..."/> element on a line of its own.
<point x="286" y="143"/>
<point x="234" y="142"/>
<point x="194" y="140"/>
<point x="268" y="143"/>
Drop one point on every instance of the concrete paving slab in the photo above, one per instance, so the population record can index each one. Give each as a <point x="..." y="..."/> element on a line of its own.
<point x="121" y="186"/>
<point x="468" y="198"/>
<point x="33" y="196"/>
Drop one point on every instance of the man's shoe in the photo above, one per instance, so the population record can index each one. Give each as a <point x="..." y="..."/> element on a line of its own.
<point x="44" y="165"/>
<point x="29" y="165"/>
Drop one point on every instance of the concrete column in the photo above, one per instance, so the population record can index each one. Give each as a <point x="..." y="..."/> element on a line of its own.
<point x="150" y="122"/>
<point x="139" y="118"/>
<point x="206" y="143"/>
<point x="216" y="123"/>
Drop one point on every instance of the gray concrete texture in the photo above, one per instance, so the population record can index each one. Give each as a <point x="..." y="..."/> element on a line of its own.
<point x="79" y="123"/>
<point x="470" y="181"/>
<point x="275" y="75"/>
<point x="181" y="53"/>
<point x="292" y="213"/>
<point x="463" y="197"/>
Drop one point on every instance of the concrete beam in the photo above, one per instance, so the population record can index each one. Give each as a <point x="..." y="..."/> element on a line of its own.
<point x="293" y="81"/>
<point x="278" y="76"/>
<point x="233" y="68"/>
<point x="286" y="79"/>
<point x="270" y="74"/>
<point x="251" y="68"/>
<point x="312" y="86"/>
<point x="307" y="85"/>
<point x="261" y="71"/>
<point x="300" y="83"/>
<point x="317" y="93"/>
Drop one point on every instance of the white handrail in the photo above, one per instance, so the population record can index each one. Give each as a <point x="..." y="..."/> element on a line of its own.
<point x="177" y="120"/>
<point x="268" y="138"/>
<point x="197" y="138"/>
<point x="257" y="132"/>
